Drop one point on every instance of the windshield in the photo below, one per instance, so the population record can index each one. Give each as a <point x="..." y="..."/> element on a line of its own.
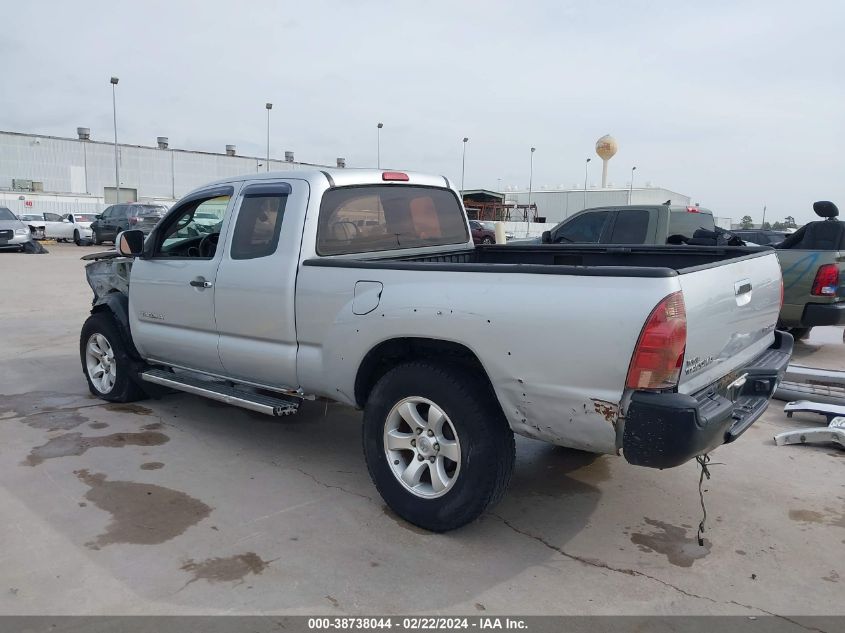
<point x="5" y="214"/>
<point x="31" y="217"/>
<point x="144" y="211"/>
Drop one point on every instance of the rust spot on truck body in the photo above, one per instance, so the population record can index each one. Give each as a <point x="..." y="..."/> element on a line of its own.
<point x="608" y="410"/>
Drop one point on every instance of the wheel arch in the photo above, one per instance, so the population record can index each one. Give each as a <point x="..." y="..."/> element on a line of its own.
<point x="116" y="304"/>
<point x="392" y="352"/>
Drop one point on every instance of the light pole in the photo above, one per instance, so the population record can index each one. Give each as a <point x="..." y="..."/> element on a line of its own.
<point x="378" y="144"/>
<point x="269" y="107"/>
<point x="586" y="165"/>
<point x="464" y="164"/>
<point x="114" y="81"/>
<point x="631" y="184"/>
<point x="763" y="225"/>
<point x="530" y="187"/>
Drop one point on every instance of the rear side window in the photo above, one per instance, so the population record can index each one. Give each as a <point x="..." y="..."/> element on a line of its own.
<point x="686" y="223"/>
<point x="631" y="227"/>
<point x="388" y="217"/>
<point x="259" y="223"/>
<point x="584" y="229"/>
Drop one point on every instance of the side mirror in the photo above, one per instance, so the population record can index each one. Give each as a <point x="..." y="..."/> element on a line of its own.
<point x="546" y="237"/>
<point x="65" y="220"/>
<point x="99" y="216"/>
<point x="130" y="243"/>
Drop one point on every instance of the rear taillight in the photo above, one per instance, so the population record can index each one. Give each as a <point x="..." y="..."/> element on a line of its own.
<point x="659" y="355"/>
<point x="826" y="281"/>
<point x="781" y="291"/>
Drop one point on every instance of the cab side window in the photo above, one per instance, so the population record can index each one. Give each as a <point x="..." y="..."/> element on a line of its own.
<point x="631" y="227"/>
<point x="584" y="229"/>
<point x="192" y="228"/>
<point x="259" y="222"/>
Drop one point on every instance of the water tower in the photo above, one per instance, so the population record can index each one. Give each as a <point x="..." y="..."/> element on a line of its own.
<point x="606" y="148"/>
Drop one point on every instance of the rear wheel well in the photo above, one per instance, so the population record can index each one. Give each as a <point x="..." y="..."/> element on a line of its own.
<point x="388" y="354"/>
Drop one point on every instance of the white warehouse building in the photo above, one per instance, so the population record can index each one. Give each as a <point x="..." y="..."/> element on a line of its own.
<point x="62" y="175"/>
<point x="558" y="204"/>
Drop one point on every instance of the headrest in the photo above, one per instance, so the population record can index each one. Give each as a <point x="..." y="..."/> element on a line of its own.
<point x="825" y="209"/>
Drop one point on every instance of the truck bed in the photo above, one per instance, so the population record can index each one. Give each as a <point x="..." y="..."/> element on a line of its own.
<point x="611" y="261"/>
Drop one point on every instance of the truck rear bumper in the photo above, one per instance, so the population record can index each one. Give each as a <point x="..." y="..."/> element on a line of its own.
<point x="823" y="314"/>
<point x="663" y="430"/>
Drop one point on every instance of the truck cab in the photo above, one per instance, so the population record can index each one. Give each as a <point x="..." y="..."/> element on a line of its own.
<point x="641" y="224"/>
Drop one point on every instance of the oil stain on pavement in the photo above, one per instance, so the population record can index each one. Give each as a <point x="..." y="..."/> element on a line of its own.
<point x="22" y="405"/>
<point x="229" y="569"/>
<point x="829" y="517"/>
<point x="76" y="444"/>
<point x="152" y="466"/>
<point x="672" y="542"/>
<point x="128" y="407"/>
<point x="45" y="409"/>
<point x="142" y="514"/>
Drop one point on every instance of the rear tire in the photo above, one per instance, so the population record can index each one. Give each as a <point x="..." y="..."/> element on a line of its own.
<point x="449" y="417"/>
<point x="106" y="362"/>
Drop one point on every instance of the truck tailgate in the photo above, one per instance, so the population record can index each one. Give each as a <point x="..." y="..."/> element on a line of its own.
<point x="732" y="307"/>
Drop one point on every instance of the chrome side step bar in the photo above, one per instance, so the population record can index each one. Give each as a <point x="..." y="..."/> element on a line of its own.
<point x="222" y="392"/>
<point x="811" y="383"/>
<point x="829" y="411"/>
<point x="833" y="432"/>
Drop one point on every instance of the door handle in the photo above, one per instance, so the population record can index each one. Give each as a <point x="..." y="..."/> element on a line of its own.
<point x="200" y="282"/>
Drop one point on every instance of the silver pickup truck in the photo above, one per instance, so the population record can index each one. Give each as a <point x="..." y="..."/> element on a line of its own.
<point x="364" y="287"/>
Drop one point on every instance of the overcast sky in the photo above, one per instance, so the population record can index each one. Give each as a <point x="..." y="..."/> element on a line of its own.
<point x="738" y="104"/>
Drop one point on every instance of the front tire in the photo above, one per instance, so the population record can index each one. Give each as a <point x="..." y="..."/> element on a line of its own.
<point x="106" y="363"/>
<point x="76" y="239"/>
<point x="487" y="240"/>
<point x="97" y="240"/>
<point x="437" y="445"/>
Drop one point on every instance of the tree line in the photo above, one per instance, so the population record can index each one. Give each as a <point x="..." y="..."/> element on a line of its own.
<point x="788" y="223"/>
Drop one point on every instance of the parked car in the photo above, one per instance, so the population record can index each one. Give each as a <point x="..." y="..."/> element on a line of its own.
<point x="36" y="223"/>
<point x="492" y="227"/>
<point x="407" y="321"/>
<point x="52" y="226"/>
<point x="481" y="234"/>
<point x="122" y="217"/>
<point x="762" y="237"/>
<point x="75" y="227"/>
<point x="648" y="224"/>
<point x="15" y="234"/>
<point x="813" y="264"/>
